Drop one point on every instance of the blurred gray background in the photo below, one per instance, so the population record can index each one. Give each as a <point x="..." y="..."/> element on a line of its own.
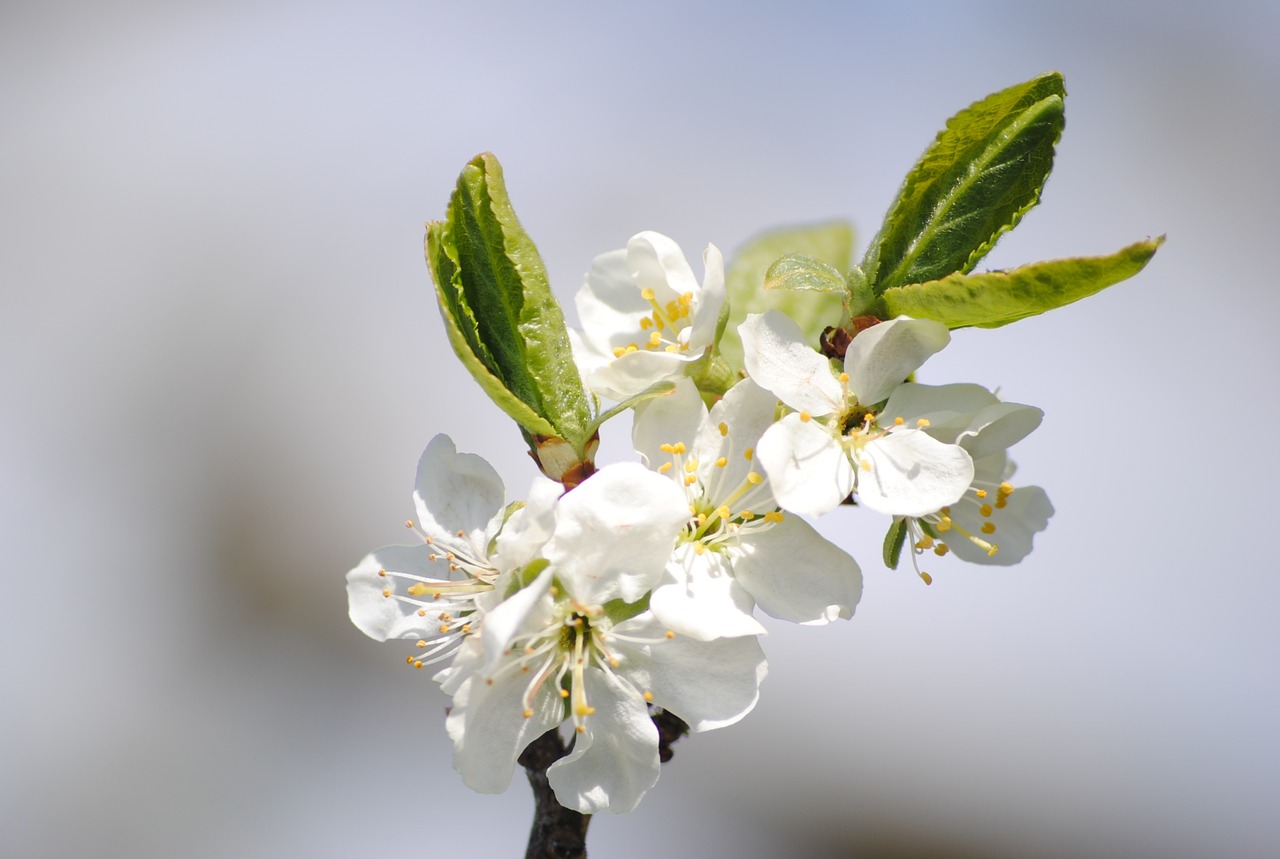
<point x="220" y="358"/>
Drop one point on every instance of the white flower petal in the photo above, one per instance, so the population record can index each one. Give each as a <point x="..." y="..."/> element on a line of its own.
<point x="633" y="372"/>
<point x="675" y="417"/>
<point x="527" y="608"/>
<point x="383" y="618"/>
<point x="912" y="474"/>
<point x="615" y="760"/>
<point x="457" y="492"/>
<point x="796" y="574"/>
<point x="708" y="301"/>
<point x="778" y="358"/>
<point x="807" y="468"/>
<point x="998" y="427"/>
<point x="882" y="357"/>
<point x="614" y="533"/>
<point x="700" y="598"/>
<point x="527" y="529"/>
<point x="656" y="262"/>
<point x="609" y="306"/>
<point x="489" y="729"/>
<point x="949" y="409"/>
<point x="745" y="411"/>
<point x="708" y="684"/>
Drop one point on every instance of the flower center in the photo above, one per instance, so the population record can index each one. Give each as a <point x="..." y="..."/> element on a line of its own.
<point x="665" y="328"/>
<point x="929" y="533"/>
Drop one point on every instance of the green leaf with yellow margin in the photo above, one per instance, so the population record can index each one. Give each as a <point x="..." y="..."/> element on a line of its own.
<point x="994" y="298"/>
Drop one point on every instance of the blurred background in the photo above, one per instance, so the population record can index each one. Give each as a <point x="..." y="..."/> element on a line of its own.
<point x="220" y="358"/>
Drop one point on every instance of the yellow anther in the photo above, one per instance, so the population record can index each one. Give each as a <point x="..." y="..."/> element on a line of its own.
<point x="421" y="643"/>
<point x="527" y="713"/>
<point x="928" y="579"/>
<point x="646" y="324"/>
<point x="1006" y="488"/>
<point x="422" y="612"/>
<point x="722" y="462"/>
<point x="655" y="339"/>
<point x="773" y="516"/>
<point x="555" y="591"/>
<point x="658" y="324"/>
<point x="667" y="448"/>
<point x="805" y="417"/>
<point x="690" y="479"/>
<point x="988" y="527"/>
<point x="1002" y="501"/>
<point x="584" y="710"/>
<point x="754" y="478"/>
<point x="408" y="660"/>
<point x="673" y="310"/>
<point x="647" y="294"/>
<point x="631" y="347"/>
<point x="648" y="697"/>
<point x="986" y="509"/>
<point x="865" y="464"/>
<point x="433" y="557"/>
<point x="746" y="515"/>
<point x="386" y="593"/>
<point x="675" y="348"/>
<point x="581" y="729"/>
<point x="686" y="299"/>
<point x="925" y="542"/>
<point x="408" y="523"/>
<point x="417" y="663"/>
<point x="690" y="465"/>
<point x="844" y="378"/>
<point x="564" y="693"/>
<point x="749" y="453"/>
<point x="991" y="553"/>
<point x="678" y="447"/>
<point x="618" y="351"/>
<point x="945" y="511"/>
<point x="898" y="421"/>
<point x="669" y="634"/>
<point x="702" y="519"/>
<point x="417" y="589"/>
<point x="724" y="429"/>
<point x="723" y="512"/>
<point x="664" y="468"/>
<point x="944" y="524"/>
<point x="981" y="493"/>
<point x="941" y="549"/>
<point x="922" y="423"/>
<point x="382" y="573"/>
<point x="699" y="548"/>
<point x="614" y="662"/>
<point x="466" y="629"/>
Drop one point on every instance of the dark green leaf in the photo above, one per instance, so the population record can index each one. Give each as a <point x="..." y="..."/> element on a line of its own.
<point x="504" y="318"/>
<point x="894" y="539"/>
<point x="984" y="171"/>
<point x="995" y="298"/>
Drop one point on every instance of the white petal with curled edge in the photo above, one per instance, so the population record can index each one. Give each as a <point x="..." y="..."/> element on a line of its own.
<point x="796" y="574"/>
<point x="615" y="760"/>
<point x="383" y="618"/>
<point x="912" y="474"/>
<point x="882" y="357"/>
<point x="489" y="729"/>
<point x="457" y="492"/>
<point x="778" y="358"/>
<point x="609" y="306"/>
<point x="998" y="427"/>
<point x="700" y="598"/>
<point x="656" y="262"/>
<point x="672" y="418"/>
<point x="708" y="684"/>
<point x="527" y="608"/>
<point x="614" y="533"/>
<point x="808" y="470"/>
<point x="707" y="301"/>
<point x="631" y="373"/>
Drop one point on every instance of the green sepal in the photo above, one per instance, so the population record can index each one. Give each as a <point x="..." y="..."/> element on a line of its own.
<point x="830" y="243"/>
<point x="894" y="539"/>
<point x="502" y="318"/>
<point x="657" y="389"/>
<point x="982" y="173"/>
<point x="994" y="298"/>
<point x="801" y="273"/>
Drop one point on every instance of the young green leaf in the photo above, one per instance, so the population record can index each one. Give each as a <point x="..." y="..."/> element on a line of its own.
<point x="501" y="316"/>
<point x="994" y="298"/>
<point x="984" y="171"/>
<point x="799" y="272"/>
<point x="894" y="539"/>
<point x="829" y="243"/>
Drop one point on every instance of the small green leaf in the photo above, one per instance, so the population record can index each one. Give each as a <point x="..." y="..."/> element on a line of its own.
<point x="984" y="172"/>
<point x="830" y="243"/>
<point x="799" y="272"/>
<point x="994" y="298"/>
<point x="894" y="539"/>
<point x="503" y="320"/>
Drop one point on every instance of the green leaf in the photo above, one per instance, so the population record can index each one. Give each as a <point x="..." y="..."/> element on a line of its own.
<point x="894" y="539"/>
<point x="799" y="272"/>
<point x="984" y="172"/>
<point x="994" y="298"/>
<point x="830" y="243"/>
<point x="502" y="318"/>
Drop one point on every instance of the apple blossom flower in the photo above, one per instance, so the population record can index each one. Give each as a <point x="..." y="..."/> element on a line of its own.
<point x="737" y="548"/>
<point x="576" y="642"/>
<point x="834" y="443"/>
<point x="989" y="523"/>
<point x="645" y="318"/>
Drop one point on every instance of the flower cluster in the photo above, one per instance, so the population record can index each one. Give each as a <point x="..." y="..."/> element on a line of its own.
<point x="636" y="590"/>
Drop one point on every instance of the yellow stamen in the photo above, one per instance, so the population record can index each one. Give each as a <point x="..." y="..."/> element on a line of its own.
<point x="805" y="417"/>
